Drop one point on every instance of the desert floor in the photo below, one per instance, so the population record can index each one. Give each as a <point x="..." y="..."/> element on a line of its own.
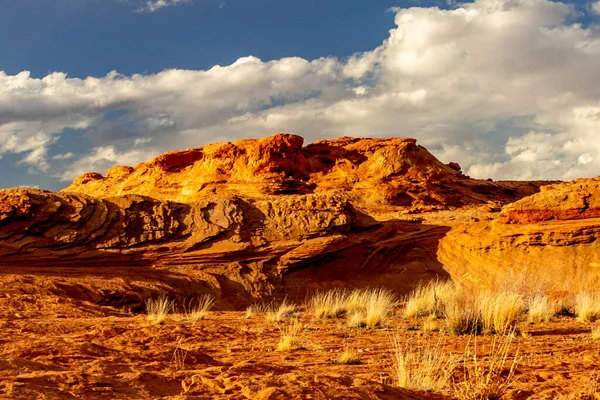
<point x="78" y="350"/>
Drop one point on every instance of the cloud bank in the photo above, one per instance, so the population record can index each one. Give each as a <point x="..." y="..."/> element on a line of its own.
<point x="507" y="88"/>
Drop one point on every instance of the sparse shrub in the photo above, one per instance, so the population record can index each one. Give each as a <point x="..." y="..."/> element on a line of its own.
<point x="500" y="311"/>
<point x="425" y="367"/>
<point x="330" y="304"/>
<point x="347" y="357"/>
<point x="462" y="313"/>
<point x="290" y="337"/>
<point x="279" y="313"/>
<point x="430" y="325"/>
<point x="256" y="308"/>
<point x="428" y="299"/>
<point x="377" y="305"/>
<point x="587" y="306"/>
<point x="484" y="378"/>
<point x="198" y="311"/>
<point x="157" y="310"/>
<point x="540" y="308"/>
<point x="596" y="332"/>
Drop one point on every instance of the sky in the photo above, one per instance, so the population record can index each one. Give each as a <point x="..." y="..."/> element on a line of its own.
<point x="509" y="89"/>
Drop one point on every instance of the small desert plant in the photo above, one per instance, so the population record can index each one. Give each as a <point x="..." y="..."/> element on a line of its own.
<point x="540" y="308"/>
<point x="290" y="337"/>
<point x="347" y="357"/>
<point x="462" y="314"/>
<point x="179" y="355"/>
<point x="157" y="310"/>
<point x="279" y="313"/>
<point x="428" y="299"/>
<point x="256" y="308"/>
<point x="331" y="304"/>
<point x="197" y="312"/>
<point x="587" y="306"/>
<point x="596" y="332"/>
<point x="500" y="311"/>
<point x="484" y="378"/>
<point x="377" y="306"/>
<point x="425" y="367"/>
<point x="430" y="325"/>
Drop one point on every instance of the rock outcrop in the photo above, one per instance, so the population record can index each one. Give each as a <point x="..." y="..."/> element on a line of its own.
<point x="391" y="171"/>
<point x="553" y="235"/>
<point x="245" y="221"/>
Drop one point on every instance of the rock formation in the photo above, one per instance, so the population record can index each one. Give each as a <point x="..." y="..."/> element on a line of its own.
<point x="245" y="221"/>
<point x="553" y="235"/>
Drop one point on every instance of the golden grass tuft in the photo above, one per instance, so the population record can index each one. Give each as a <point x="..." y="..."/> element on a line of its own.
<point x="587" y="306"/>
<point x="330" y="304"/>
<point x="483" y="378"/>
<point x="500" y="311"/>
<point x="157" y="310"/>
<point x="279" y="313"/>
<point x="596" y="332"/>
<point x="199" y="311"/>
<point x="370" y="308"/>
<point x="256" y="308"/>
<point x="290" y="337"/>
<point x="425" y="367"/>
<point x="428" y="299"/>
<point x="347" y="357"/>
<point x="540" y="308"/>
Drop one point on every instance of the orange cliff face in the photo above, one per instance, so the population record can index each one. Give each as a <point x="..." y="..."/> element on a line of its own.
<point x="389" y="171"/>
<point x="553" y="234"/>
<point x="248" y="220"/>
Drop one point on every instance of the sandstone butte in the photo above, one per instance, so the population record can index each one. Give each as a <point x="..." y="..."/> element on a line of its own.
<point x="268" y="218"/>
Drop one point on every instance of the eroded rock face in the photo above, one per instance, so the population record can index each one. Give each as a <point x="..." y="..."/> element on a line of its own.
<point x="553" y="234"/>
<point x="244" y="221"/>
<point x="390" y="171"/>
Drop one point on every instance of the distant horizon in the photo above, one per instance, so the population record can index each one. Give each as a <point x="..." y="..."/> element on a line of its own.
<point x="506" y="88"/>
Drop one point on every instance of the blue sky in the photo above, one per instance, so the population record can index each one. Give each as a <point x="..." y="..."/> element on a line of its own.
<point x="504" y="87"/>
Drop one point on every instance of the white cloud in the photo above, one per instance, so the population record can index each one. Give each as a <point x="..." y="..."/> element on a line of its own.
<point x="64" y="156"/>
<point x="504" y="87"/>
<point x="153" y="5"/>
<point x="596" y="7"/>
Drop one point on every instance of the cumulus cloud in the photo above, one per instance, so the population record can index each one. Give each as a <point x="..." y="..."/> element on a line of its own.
<point x="153" y="5"/>
<point x="596" y="7"/>
<point x="504" y="87"/>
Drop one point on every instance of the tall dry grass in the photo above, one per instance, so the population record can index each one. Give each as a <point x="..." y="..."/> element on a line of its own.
<point x="587" y="306"/>
<point x="278" y="313"/>
<point x="370" y="308"/>
<point x="485" y="377"/>
<point x="158" y="309"/>
<point x="428" y="299"/>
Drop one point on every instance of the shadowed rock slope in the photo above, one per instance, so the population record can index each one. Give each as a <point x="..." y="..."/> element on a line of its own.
<point x="248" y="220"/>
<point x="553" y="234"/>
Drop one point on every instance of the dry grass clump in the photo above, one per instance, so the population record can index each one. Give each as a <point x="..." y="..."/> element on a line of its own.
<point x="500" y="311"/>
<point x="428" y="299"/>
<point x="279" y="313"/>
<point x="540" y="308"/>
<point x="256" y="308"/>
<point x="199" y="310"/>
<point x="347" y="357"/>
<point x="158" y="309"/>
<point x="587" y="306"/>
<point x="430" y="325"/>
<point x="596" y="332"/>
<point x="484" y="378"/>
<point x="330" y="304"/>
<point x="462" y="314"/>
<point x="290" y="337"/>
<point x="425" y="367"/>
<point x="370" y="308"/>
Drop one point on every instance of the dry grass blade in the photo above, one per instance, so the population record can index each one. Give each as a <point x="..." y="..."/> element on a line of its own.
<point x="485" y="378"/>
<point x="587" y="306"/>
<point x="428" y="299"/>
<point x="370" y="309"/>
<point x="278" y="314"/>
<point x="157" y="310"/>
<point x="331" y="304"/>
<point x="425" y="367"/>
<point x="500" y="311"/>
<point x="290" y="337"/>
<point x="200" y="310"/>
<point x="540" y="308"/>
